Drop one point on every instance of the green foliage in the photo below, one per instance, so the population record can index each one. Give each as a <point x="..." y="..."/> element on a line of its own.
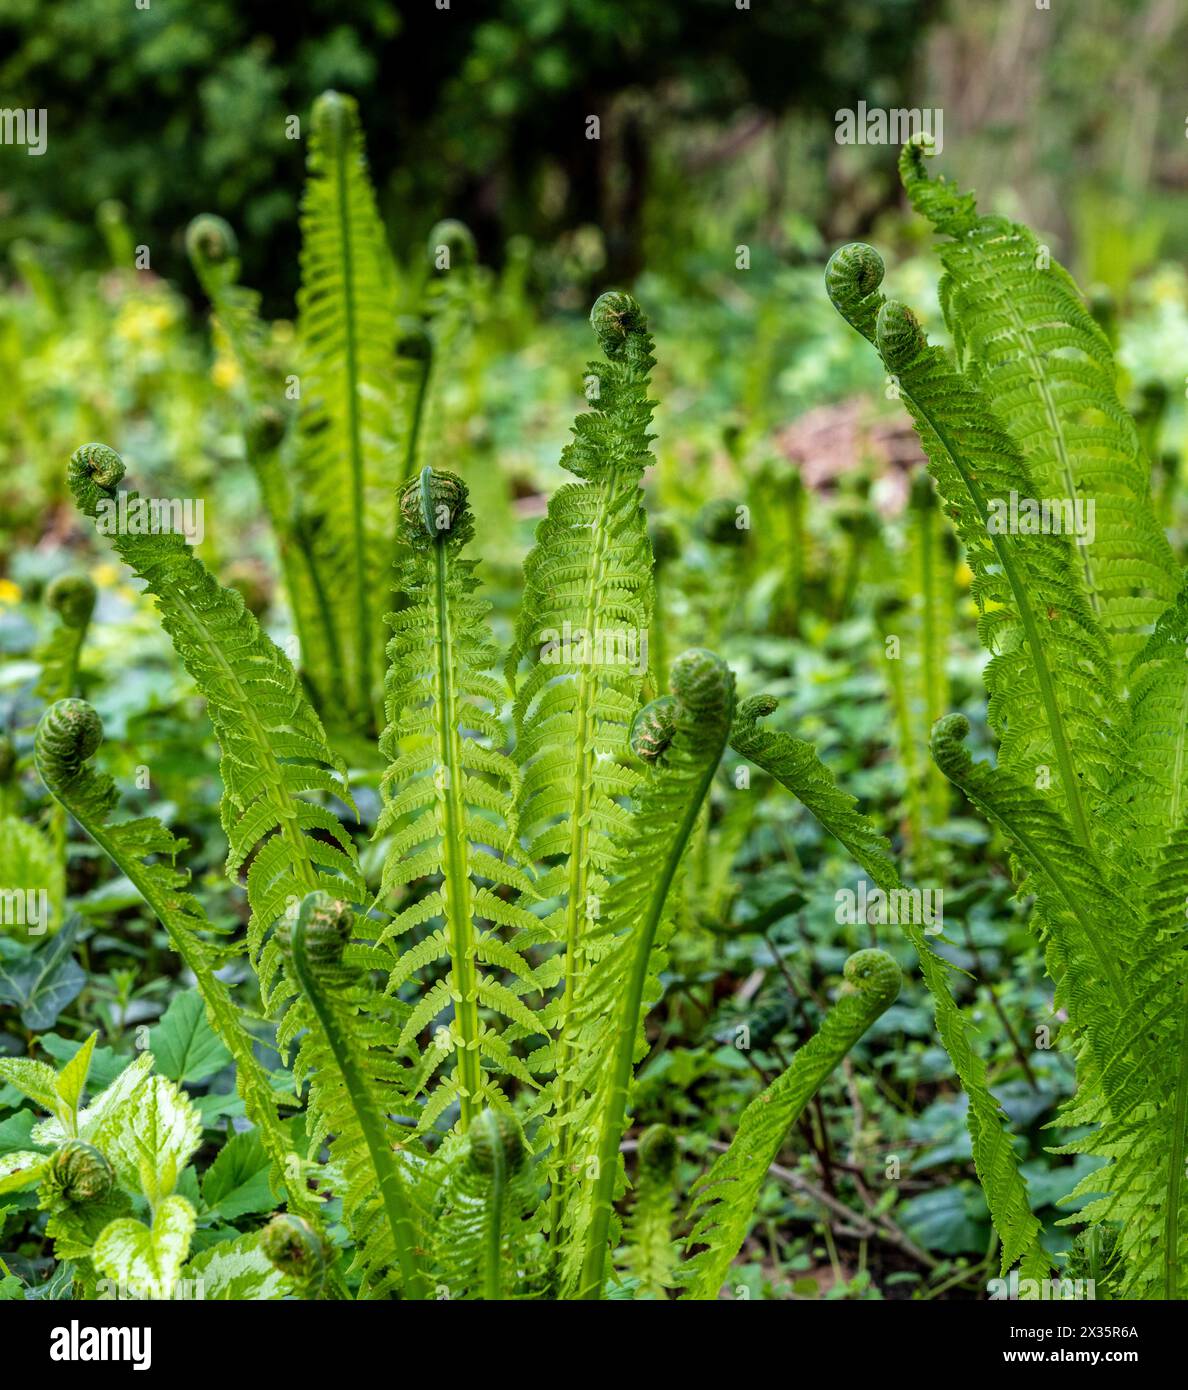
<point x="726" y="1197"/>
<point x="1087" y="681"/>
<point x="541" y="878"/>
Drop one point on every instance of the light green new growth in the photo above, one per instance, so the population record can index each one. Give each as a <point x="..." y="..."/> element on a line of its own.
<point x="588" y="576"/>
<point x="1087" y="681"/>
<point x="795" y="764"/>
<point x="724" y="1200"/>
<point x="144" y="850"/>
<point x="348" y="445"/>
<point x="449" y="813"/>
<point x="683" y="739"/>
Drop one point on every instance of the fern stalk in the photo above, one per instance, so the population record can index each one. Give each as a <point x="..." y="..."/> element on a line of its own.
<point x="391" y="1188"/>
<point x="456" y="880"/>
<point x="692" y="731"/>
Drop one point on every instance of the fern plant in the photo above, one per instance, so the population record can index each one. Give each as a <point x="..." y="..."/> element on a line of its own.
<point x="465" y="1002"/>
<point x="1087" y="683"/>
<point x="469" y="1025"/>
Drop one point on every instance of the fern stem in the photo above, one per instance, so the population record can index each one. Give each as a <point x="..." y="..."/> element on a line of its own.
<point x="370" y="1122"/>
<point x="456" y="879"/>
<point x="615" y="1109"/>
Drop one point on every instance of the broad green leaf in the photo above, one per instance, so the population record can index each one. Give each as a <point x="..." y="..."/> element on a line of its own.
<point x="17" y="1132"/>
<point x="236" y="1183"/>
<point x="73" y="1076"/>
<point x="154" y="1139"/>
<point x="106" y="1063"/>
<point x="147" y="1259"/>
<point x="184" y="1044"/>
<point x="237" y="1269"/>
<point x="34" y="1079"/>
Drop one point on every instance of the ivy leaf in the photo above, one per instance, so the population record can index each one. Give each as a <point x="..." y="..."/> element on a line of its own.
<point x="42" y="982"/>
<point x="147" y="1259"/>
<point x="184" y="1044"/>
<point x="236" y="1183"/>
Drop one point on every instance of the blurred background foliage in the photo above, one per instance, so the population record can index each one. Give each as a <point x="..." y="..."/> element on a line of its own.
<point x="716" y="136"/>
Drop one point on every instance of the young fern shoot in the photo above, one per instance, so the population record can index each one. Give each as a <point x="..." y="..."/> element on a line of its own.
<point x="586" y="609"/>
<point x="725" y="1198"/>
<point x="1087" y="681"/>
<point x="348" y="432"/>
<point x="449" y="814"/>
<point x="682" y="736"/>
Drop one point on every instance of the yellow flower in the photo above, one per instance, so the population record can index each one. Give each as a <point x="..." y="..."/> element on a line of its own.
<point x="964" y="575"/>
<point x="225" y="374"/>
<point x="106" y="575"/>
<point x="9" y="592"/>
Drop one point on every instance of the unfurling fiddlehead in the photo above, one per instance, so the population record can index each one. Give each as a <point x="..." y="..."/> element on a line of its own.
<point x="69" y="734"/>
<point x="724" y="1200"/>
<point x="637" y="924"/>
<point x="315" y="945"/>
<point x="296" y="1247"/>
<point x="78" y="1173"/>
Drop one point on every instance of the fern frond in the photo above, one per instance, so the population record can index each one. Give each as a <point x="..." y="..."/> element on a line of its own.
<point x="144" y="851"/>
<point x="484" y="1245"/>
<point x="1127" y="1024"/>
<point x="796" y="766"/>
<point x="1048" y="373"/>
<point x="213" y="254"/>
<point x="683" y="736"/>
<point x="1154" y="788"/>
<point x="273" y="754"/>
<point x="273" y="747"/>
<point x="587" y="584"/>
<point x="1053" y="700"/>
<point x="725" y="1198"/>
<point x="316" y="943"/>
<point x="347" y="455"/>
<point x="449" y="808"/>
